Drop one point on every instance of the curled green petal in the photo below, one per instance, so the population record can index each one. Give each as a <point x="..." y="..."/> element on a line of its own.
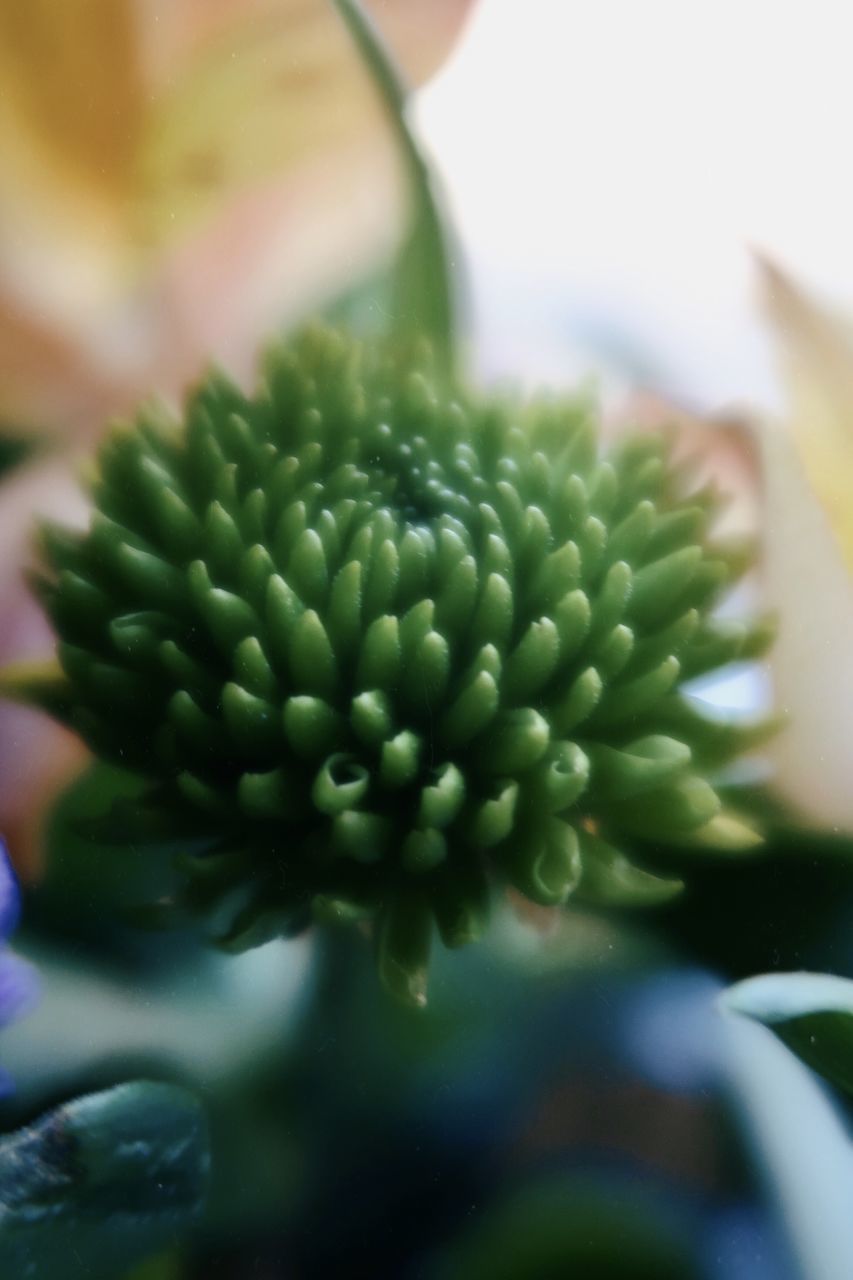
<point x="639" y="766"/>
<point x="546" y="867"/>
<point x="562" y="777"/>
<point x="341" y="784"/>
<point x="609" y="879"/>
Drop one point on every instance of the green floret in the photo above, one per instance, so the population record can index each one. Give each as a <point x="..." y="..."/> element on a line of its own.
<point x="379" y="650"/>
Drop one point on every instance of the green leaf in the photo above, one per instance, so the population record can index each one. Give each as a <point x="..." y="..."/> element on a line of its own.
<point x="423" y="305"/>
<point x="102" y="1182"/>
<point x="811" y="1013"/>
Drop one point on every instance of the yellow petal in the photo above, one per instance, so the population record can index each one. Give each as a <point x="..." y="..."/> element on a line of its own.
<point x="280" y="87"/>
<point x="816" y="349"/>
<point x="178" y="178"/>
<point x="136" y="127"/>
<point x="808" y="586"/>
<point x="71" y="108"/>
<point x="261" y="101"/>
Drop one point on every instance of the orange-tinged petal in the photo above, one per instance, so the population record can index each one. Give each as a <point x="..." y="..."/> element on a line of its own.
<point x="36" y="756"/>
<point x="71" y="114"/>
<point x="720" y="449"/>
<point x="39" y="759"/>
<point x="46" y="377"/>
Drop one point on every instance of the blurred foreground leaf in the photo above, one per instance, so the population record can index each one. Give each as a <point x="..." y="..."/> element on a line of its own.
<point x="568" y="1227"/>
<point x="811" y="1013"/>
<point x="787" y="906"/>
<point x="101" y="1182"/>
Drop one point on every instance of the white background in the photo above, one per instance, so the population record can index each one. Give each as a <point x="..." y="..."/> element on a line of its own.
<point x="610" y="162"/>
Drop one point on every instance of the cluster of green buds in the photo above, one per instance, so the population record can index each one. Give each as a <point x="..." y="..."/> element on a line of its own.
<point x="381" y="650"/>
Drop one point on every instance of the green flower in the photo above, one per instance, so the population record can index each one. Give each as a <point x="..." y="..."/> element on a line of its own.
<point x="379" y="649"/>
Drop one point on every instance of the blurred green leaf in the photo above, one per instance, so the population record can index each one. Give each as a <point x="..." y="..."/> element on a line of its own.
<point x="102" y="1182"/>
<point x="363" y="306"/>
<point x="198" y="1015"/>
<point x="423" y="303"/>
<point x="812" y="1013"/>
<point x="166" y="1266"/>
<point x="786" y="906"/>
<point x="570" y="1227"/>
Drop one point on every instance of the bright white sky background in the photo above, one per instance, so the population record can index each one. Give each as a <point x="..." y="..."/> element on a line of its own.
<point x="610" y="162"/>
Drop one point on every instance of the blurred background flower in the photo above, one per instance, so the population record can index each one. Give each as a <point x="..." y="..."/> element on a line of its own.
<point x="18" y="983"/>
<point x="178" y="181"/>
<point x="807" y="472"/>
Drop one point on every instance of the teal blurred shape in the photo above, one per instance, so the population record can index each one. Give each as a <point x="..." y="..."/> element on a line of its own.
<point x="102" y="1182"/>
<point x="155" y="1004"/>
<point x="811" y="1013"/>
<point x="205" y="1021"/>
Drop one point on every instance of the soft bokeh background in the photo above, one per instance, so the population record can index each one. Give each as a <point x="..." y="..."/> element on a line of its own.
<point x="611" y="165"/>
<point x="178" y="181"/>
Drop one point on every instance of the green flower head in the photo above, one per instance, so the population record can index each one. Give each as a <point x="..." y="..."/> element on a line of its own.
<point x="379" y="650"/>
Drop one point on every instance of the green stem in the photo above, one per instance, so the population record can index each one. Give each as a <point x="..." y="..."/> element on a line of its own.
<point x="424" y="288"/>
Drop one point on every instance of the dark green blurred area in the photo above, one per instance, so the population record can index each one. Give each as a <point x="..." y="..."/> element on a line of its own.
<point x="506" y="1131"/>
<point x="563" y="1225"/>
<point x="13" y="450"/>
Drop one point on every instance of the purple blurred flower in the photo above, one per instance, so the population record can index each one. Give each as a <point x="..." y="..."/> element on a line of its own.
<point x="18" y="982"/>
